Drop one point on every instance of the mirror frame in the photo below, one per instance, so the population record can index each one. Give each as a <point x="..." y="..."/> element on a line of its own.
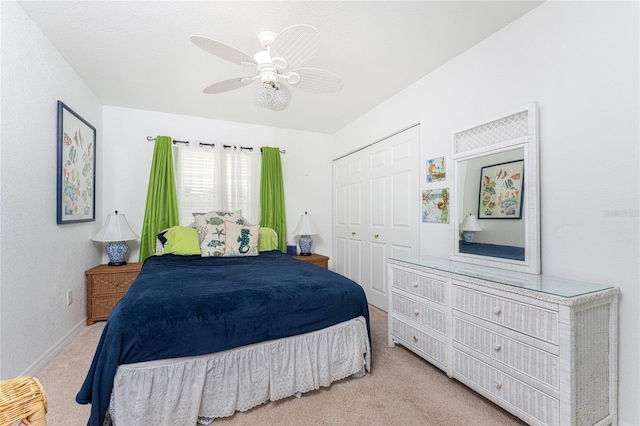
<point x="513" y="130"/>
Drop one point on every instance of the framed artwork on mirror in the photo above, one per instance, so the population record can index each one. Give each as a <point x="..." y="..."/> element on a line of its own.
<point x="76" y="180"/>
<point x="501" y="191"/>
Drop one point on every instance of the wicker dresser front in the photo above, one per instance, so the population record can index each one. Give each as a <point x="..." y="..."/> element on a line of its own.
<point x="550" y="359"/>
<point x="105" y="286"/>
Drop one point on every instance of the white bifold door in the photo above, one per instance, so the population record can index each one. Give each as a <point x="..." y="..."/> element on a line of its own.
<point x="376" y="210"/>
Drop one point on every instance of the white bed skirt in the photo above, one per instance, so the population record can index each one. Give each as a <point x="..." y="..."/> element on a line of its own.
<point x="181" y="390"/>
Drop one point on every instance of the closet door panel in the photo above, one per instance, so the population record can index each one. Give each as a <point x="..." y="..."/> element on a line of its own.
<point x="340" y="255"/>
<point x="378" y="192"/>
<point x="377" y="268"/>
<point x="355" y="260"/>
<point x="402" y="210"/>
<point x="378" y="202"/>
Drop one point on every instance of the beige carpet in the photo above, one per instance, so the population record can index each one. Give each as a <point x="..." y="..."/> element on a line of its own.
<point x="402" y="389"/>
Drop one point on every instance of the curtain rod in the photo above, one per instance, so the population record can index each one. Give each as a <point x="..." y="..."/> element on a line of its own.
<point x="201" y="144"/>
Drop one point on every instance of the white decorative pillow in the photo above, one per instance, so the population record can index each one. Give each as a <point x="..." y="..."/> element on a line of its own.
<point x="241" y="240"/>
<point x="211" y="230"/>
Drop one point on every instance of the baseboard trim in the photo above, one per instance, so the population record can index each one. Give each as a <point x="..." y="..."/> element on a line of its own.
<point x="46" y="358"/>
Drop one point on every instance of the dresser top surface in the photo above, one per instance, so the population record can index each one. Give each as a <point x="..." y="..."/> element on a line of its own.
<point x="540" y="283"/>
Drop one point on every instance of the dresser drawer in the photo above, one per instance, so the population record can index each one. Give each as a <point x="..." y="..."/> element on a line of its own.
<point x="487" y="379"/>
<point x="528" y="360"/>
<point x="112" y="283"/>
<point x="528" y="319"/>
<point x="425" y="315"/>
<point x="422" y="342"/>
<point x="431" y="287"/>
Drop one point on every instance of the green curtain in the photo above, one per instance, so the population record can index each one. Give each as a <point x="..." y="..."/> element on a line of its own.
<point x="161" y="210"/>
<point x="272" y="195"/>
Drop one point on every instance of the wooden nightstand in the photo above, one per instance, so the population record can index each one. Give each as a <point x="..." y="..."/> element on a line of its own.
<point x="105" y="286"/>
<point x="316" y="259"/>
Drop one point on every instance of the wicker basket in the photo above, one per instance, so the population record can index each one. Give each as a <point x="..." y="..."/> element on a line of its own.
<point x="22" y="399"/>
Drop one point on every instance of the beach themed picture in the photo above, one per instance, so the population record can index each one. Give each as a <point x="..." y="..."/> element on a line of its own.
<point x="436" y="169"/>
<point x="76" y="180"/>
<point x="435" y="205"/>
<point x="501" y="191"/>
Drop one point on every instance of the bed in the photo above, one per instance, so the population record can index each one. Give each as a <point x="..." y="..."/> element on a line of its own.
<point x="197" y="338"/>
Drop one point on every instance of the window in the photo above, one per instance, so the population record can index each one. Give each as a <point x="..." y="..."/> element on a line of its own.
<point x="217" y="179"/>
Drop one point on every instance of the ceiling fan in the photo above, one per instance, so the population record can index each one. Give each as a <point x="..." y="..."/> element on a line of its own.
<point x="281" y="60"/>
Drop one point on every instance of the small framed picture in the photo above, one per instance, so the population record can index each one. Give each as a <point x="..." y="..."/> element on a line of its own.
<point x="436" y="169"/>
<point x="435" y="205"/>
<point x="76" y="183"/>
<point x="501" y="188"/>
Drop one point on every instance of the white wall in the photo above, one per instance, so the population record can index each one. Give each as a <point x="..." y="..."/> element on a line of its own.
<point x="306" y="165"/>
<point x="579" y="60"/>
<point x="39" y="260"/>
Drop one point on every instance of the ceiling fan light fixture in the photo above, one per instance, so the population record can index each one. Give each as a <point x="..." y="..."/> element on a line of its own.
<point x="265" y="94"/>
<point x="272" y="95"/>
<point x="281" y="98"/>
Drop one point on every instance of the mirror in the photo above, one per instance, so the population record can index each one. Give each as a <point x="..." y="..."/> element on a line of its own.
<point x="495" y="217"/>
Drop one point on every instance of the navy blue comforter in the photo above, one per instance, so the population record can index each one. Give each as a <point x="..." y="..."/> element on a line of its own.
<point x="191" y="305"/>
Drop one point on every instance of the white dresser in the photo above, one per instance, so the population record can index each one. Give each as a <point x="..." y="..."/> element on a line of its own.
<point x="543" y="348"/>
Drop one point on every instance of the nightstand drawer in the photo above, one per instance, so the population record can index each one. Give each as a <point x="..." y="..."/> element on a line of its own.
<point x="314" y="258"/>
<point x="101" y="306"/>
<point x="112" y="283"/>
<point x="105" y="286"/>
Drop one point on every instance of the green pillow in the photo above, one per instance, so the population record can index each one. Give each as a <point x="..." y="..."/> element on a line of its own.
<point x="181" y="240"/>
<point x="267" y="239"/>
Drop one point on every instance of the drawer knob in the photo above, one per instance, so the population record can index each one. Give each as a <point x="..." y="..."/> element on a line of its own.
<point x="353" y="233"/>
<point x="497" y="384"/>
<point x="497" y="347"/>
<point x="375" y="235"/>
<point x="497" y="311"/>
<point x="415" y="284"/>
<point x="415" y="339"/>
<point x="416" y="313"/>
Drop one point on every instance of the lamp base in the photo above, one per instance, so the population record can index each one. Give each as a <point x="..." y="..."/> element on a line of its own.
<point x="467" y="236"/>
<point x="305" y="242"/>
<point x="117" y="250"/>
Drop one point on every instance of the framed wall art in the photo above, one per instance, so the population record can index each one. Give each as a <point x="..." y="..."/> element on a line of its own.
<point x="501" y="191"/>
<point x="435" y="205"/>
<point x="436" y="169"/>
<point x="76" y="186"/>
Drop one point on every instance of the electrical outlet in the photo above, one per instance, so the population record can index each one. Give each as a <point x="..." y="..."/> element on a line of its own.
<point x="69" y="297"/>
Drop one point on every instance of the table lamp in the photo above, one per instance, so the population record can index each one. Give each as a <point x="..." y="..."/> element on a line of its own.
<point x="305" y="229"/>
<point x="115" y="232"/>
<point x="469" y="226"/>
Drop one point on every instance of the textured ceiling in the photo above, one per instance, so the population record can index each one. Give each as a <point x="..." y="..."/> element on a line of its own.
<point x="137" y="54"/>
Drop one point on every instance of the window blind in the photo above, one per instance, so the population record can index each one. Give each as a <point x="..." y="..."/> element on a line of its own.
<point x="217" y="179"/>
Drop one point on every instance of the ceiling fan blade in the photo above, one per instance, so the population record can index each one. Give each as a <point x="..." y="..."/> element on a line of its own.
<point x="317" y="80"/>
<point x="222" y="50"/>
<point x="296" y="45"/>
<point x="227" y="85"/>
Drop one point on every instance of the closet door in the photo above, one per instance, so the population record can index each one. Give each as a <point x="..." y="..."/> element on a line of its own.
<point x="349" y="220"/>
<point x="376" y="210"/>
